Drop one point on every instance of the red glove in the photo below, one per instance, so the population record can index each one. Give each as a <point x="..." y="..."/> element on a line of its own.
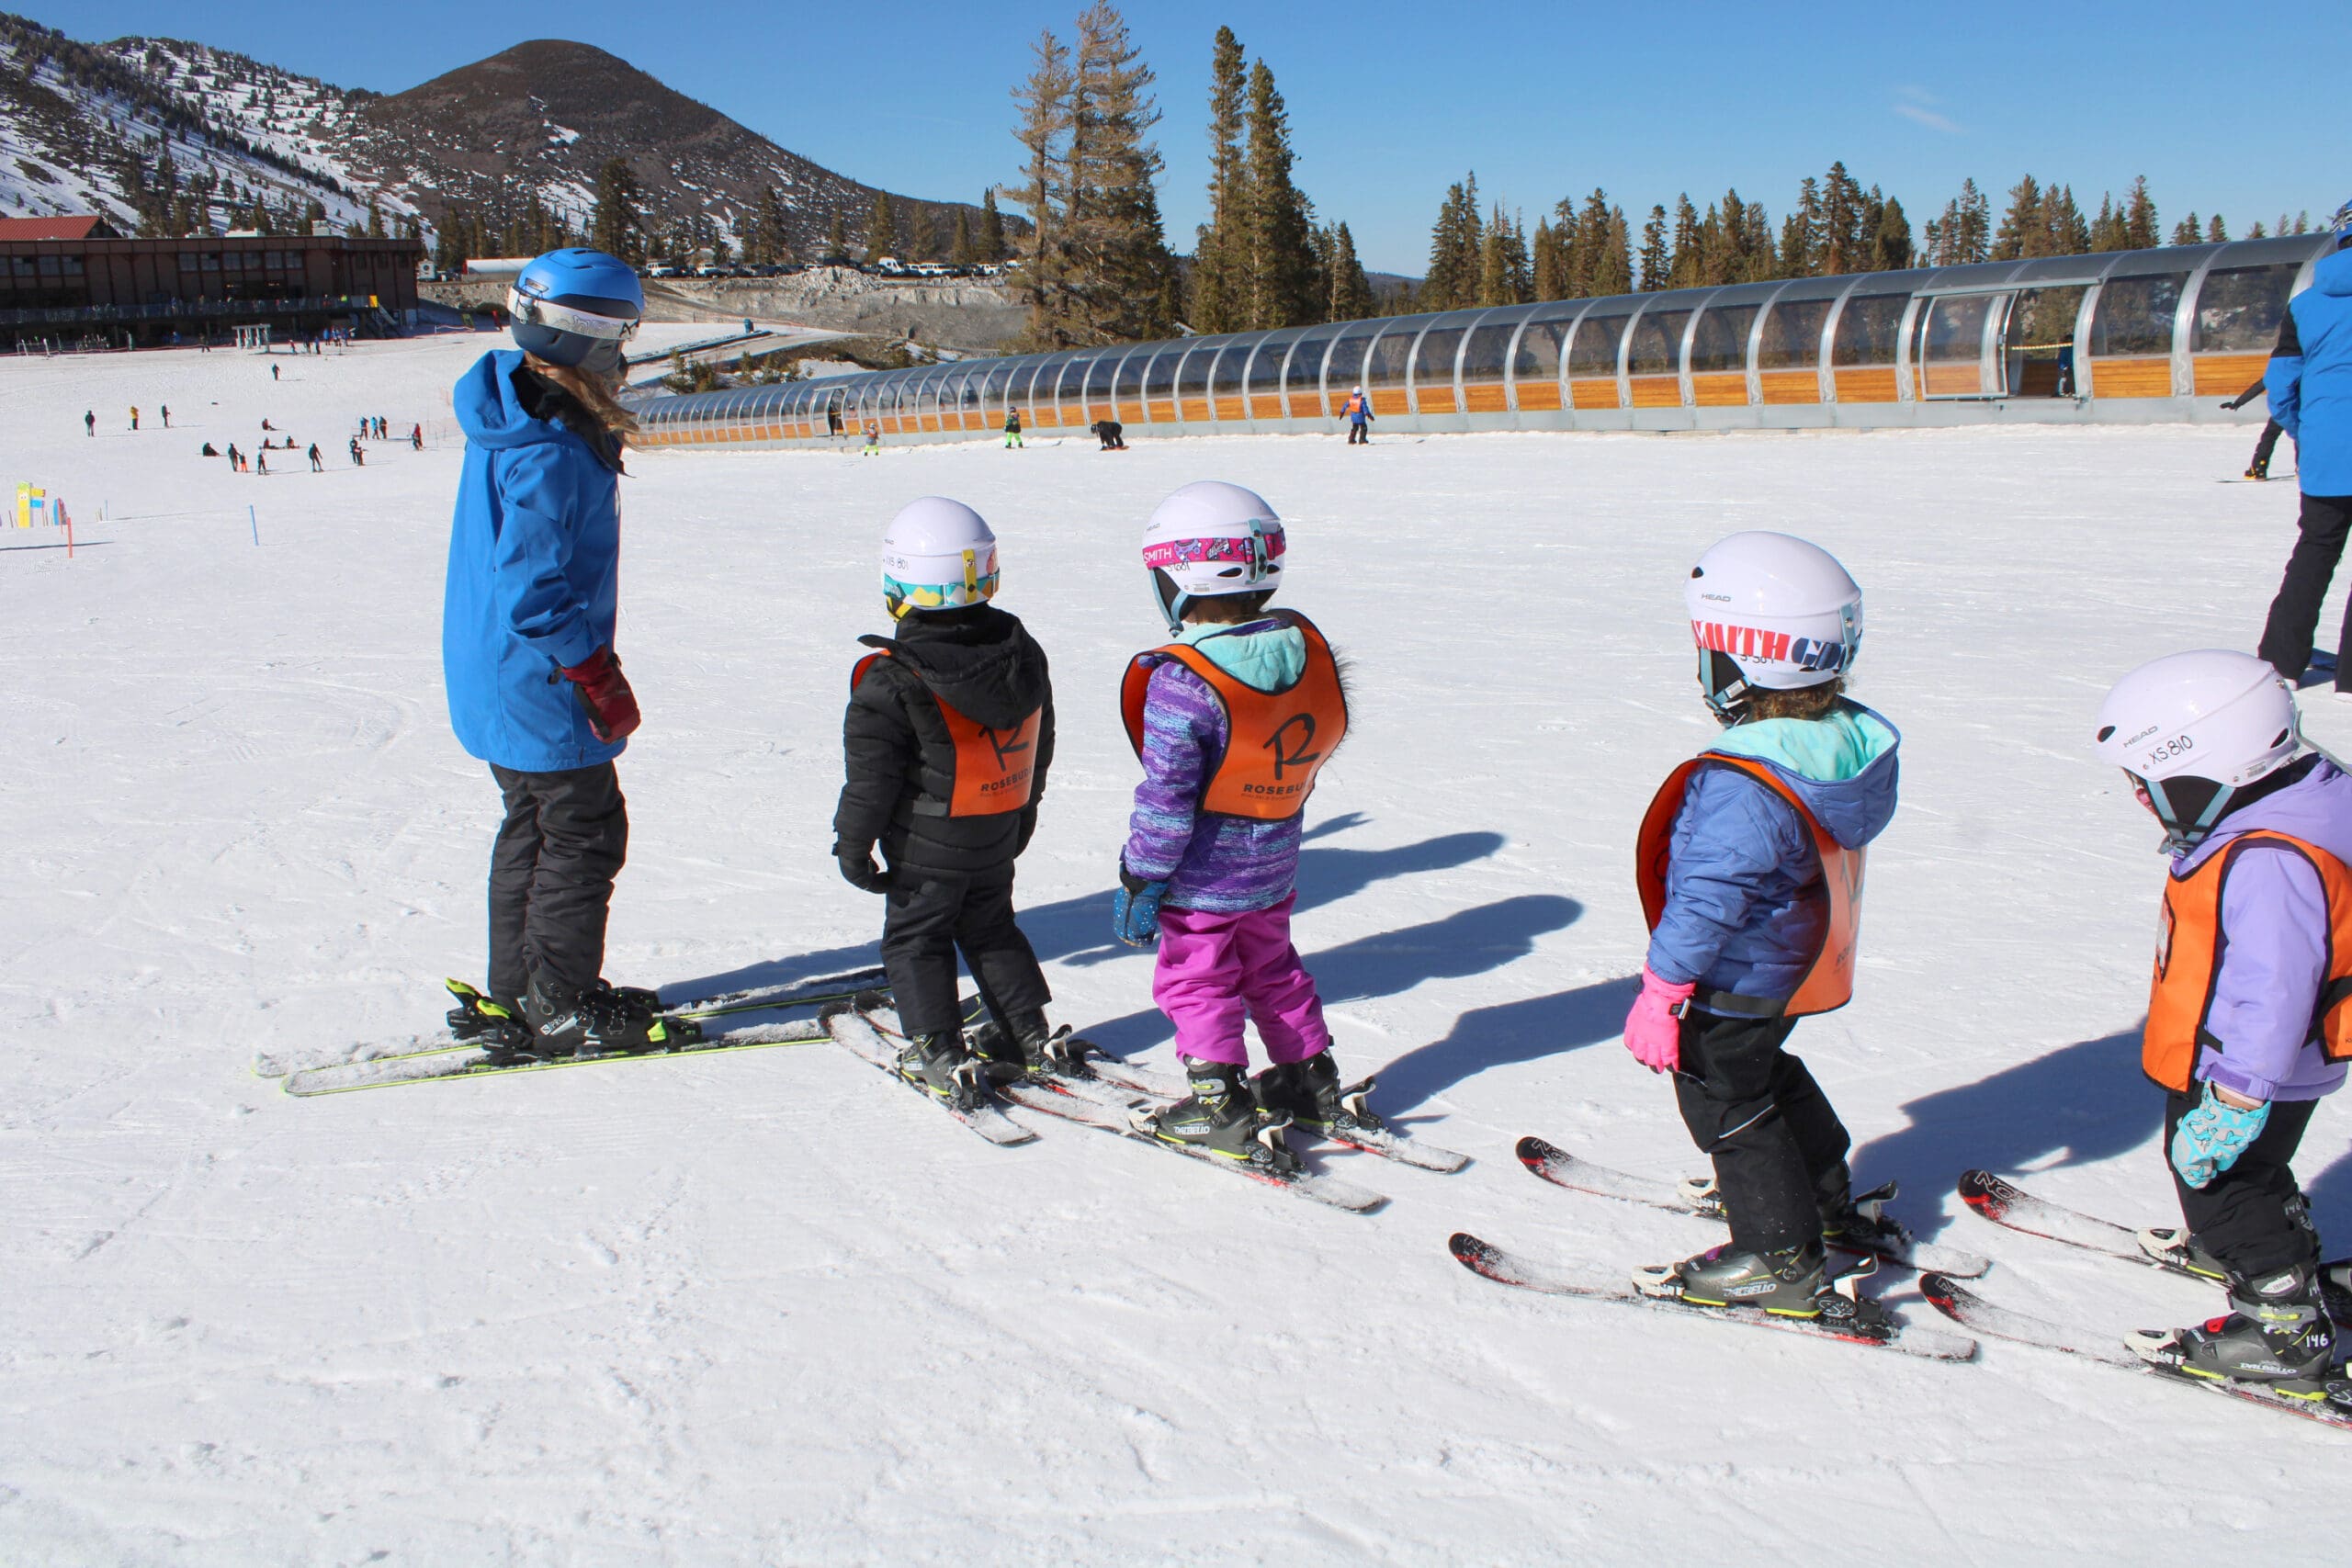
<point x="604" y="691"/>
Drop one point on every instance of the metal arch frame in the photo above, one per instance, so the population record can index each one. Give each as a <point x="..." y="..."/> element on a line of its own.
<point x="1413" y="356"/>
<point x="1560" y="371"/>
<point x="1322" y="365"/>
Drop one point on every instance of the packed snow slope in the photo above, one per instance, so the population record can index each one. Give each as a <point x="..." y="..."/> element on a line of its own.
<point x="769" y="1308"/>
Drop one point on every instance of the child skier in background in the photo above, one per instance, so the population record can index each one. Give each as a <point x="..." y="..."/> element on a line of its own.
<point x="2246" y="1023"/>
<point x="947" y="740"/>
<point x="1232" y="721"/>
<point x="1750" y="862"/>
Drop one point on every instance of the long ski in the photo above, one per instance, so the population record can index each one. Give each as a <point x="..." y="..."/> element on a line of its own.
<point x="1058" y="1099"/>
<point x="1970" y="1311"/>
<point x="1593" y="1284"/>
<point x="864" y="1040"/>
<point x="472" y="1062"/>
<point x="1564" y="1170"/>
<point x="817" y="990"/>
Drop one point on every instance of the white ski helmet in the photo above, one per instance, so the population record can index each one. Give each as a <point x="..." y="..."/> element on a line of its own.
<point x="937" y="554"/>
<point x="2192" y="729"/>
<point x="1207" y="540"/>
<point x="1770" y="611"/>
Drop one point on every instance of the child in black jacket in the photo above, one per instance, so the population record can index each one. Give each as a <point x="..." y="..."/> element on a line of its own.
<point x="947" y="741"/>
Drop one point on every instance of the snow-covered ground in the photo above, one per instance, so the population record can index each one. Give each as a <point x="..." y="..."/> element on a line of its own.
<point x="766" y="1308"/>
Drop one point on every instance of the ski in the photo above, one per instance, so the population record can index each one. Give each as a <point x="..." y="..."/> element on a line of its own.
<point x="1564" y="1170"/>
<point x="817" y="990"/>
<point x="1970" y="1311"/>
<point x="1509" y="1269"/>
<point x="473" y="1061"/>
<point x="1110" y="1069"/>
<point x="2005" y="1203"/>
<point x="1059" y="1098"/>
<point x="864" y="1040"/>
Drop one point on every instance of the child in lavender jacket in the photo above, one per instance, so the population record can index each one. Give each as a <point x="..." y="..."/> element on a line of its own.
<point x="1231" y="721"/>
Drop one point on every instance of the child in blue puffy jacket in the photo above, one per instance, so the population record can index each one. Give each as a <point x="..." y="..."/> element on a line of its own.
<point x="1751" y="869"/>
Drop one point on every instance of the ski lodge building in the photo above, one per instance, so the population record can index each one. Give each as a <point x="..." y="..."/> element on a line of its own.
<point x="75" y="277"/>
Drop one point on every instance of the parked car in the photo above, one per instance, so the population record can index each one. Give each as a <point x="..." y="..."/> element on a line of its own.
<point x="663" y="269"/>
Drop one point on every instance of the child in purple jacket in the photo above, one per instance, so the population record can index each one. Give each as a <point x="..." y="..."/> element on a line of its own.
<point x="1232" y="720"/>
<point x="2246" y="1023"/>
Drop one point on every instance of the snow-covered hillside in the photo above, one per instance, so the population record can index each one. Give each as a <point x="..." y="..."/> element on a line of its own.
<point x="769" y="1308"/>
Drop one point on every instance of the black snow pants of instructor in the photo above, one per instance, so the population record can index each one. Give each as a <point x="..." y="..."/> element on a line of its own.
<point x="930" y="920"/>
<point x="2252" y="1216"/>
<point x="551" y="875"/>
<point x="1773" y="1137"/>
<point x="2294" y="614"/>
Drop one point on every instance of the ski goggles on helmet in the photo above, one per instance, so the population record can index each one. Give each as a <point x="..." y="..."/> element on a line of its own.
<point x="975" y="589"/>
<point x="1232" y="564"/>
<point x="561" y="318"/>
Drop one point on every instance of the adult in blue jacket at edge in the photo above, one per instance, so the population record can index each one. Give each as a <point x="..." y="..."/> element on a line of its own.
<point x="2310" y="383"/>
<point x="527" y="650"/>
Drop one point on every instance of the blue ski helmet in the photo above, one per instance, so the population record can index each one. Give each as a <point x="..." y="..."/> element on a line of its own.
<point x="576" y="307"/>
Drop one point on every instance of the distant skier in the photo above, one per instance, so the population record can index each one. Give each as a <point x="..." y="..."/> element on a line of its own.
<point x="2260" y="468"/>
<point x="358" y="453"/>
<point x="166" y="412"/>
<point x="873" y="448"/>
<point x="1013" y="429"/>
<point x="261" y="459"/>
<point x="273" y="369"/>
<point x="1358" y="409"/>
<point x="134" y="416"/>
<point x="236" y="463"/>
<point x="946" y="746"/>
<point x="1111" y="434"/>
<point x="535" y="688"/>
<point x="416" y="439"/>
<point x="1232" y="720"/>
<point x="2309" y="384"/>
<point x="2246" y="1028"/>
<point x="316" y="466"/>
<point x="90" y="421"/>
<point x="1750" y="864"/>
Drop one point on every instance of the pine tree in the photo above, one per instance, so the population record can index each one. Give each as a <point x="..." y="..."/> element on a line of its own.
<point x="1122" y="281"/>
<point x="1688" y="262"/>
<point x="1456" y="242"/>
<point x="2021" y="233"/>
<point x="989" y="241"/>
<point x="881" y="227"/>
<point x="617" y="227"/>
<point x="836" y="240"/>
<point x="1217" y="303"/>
<point x="1551" y="269"/>
<point x="1656" y="263"/>
<point x="2140" y="231"/>
<point x="1279" y="267"/>
<point x="2188" y="231"/>
<point x="959" y="245"/>
<point x="1351" y="291"/>
<point x="2069" y="234"/>
<point x="1890" y="245"/>
<point x="1044" y="134"/>
<point x="1801" y="234"/>
<point x="2216" y="231"/>
<point x="2106" y="229"/>
<point x="1843" y="244"/>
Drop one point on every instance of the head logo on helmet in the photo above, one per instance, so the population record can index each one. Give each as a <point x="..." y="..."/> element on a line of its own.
<point x="576" y="307"/>
<point x="2191" y="729"/>
<point x="1770" y="611"/>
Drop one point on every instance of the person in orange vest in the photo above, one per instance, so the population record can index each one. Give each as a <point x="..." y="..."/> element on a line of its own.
<point x="1232" y="722"/>
<point x="2247" y="1027"/>
<point x="1358" y="409"/>
<point x="946" y="746"/>
<point x="1750" y="865"/>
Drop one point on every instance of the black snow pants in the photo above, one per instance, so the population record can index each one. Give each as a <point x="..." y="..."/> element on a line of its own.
<point x="928" y="920"/>
<point x="2294" y="613"/>
<point x="2251" y="1216"/>
<point x="2265" y="443"/>
<point x="1754" y="1109"/>
<point x="564" y="840"/>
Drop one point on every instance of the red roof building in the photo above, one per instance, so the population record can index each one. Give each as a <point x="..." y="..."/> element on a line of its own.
<point x="76" y="228"/>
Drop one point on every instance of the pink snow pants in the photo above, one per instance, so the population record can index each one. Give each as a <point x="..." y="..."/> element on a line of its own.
<point x="1217" y="969"/>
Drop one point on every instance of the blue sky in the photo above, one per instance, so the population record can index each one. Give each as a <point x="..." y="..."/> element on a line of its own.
<point x="2235" y="108"/>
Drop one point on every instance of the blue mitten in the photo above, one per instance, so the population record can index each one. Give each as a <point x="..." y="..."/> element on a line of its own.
<point x="1135" y="909"/>
<point x="2209" y="1139"/>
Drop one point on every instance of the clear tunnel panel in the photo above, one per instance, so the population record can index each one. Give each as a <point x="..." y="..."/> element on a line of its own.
<point x="1653" y="357"/>
<point x="1343" y="370"/>
<point x="1262" y="377"/>
<point x="2239" y="308"/>
<point x="1486" y="362"/>
<point x="1719" y="346"/>
<point x="1433" y="370"/>
<point x="1535" y="358"/>
<point x="1389" y="362"/>
<point x="1157" y="383"/>
<point x="1862" y="353"/>
<point x="1592" y="353"/>
<point x="1224" y="389"/>
<point x="1302" y="373"/>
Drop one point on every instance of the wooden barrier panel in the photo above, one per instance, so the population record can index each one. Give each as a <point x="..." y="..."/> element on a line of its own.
<point x="1720" y="391"/>
<point x="1947" y="380"/>
<point x="1237" y="407"/>
<point x="1657" y="391"/>
<point x="1593" y="392"/>
<point x="1492" y="397"/>
<point x="1126" y="412"/>
<point x="1192" y="409"/>
<point x="1046" y="416"/>
<point x="1389" y="399"/>
<point x="1436" y="399"/>
<point x="2227" y="374"/>
<point x="1867" y="385"/>
<point x="1786" y="387"/>
<point x="1540" y="397"/>
<point x="2140" y="376"/>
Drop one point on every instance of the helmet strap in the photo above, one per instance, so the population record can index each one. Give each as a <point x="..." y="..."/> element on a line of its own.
<point x="1723" y="687"/>
<point x="2181" y="837"/>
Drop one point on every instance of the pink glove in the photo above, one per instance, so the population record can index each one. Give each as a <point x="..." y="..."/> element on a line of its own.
<point x="1652" y="1032"/>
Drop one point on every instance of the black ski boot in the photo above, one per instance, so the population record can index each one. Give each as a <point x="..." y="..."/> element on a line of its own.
<point x="1790" y="1282"/>
<point x="595" y="1021"/>
<point x="1310" y="1094"/>
<point x="2277" y="1334"/>
<point x="2176" y="1248"/>
<point x="495" y="1021"/>
<point x="1029" y="1045"/>
<point x="1857" y="1224"/>
<point x="1221" y="1118"/>
<point x="2259" y="470"/>
<point x="941" y="1066"/>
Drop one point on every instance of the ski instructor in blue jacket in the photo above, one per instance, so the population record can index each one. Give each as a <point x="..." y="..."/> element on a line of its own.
<point x="536" y="690"/>
<point x="2310" y="383"/>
